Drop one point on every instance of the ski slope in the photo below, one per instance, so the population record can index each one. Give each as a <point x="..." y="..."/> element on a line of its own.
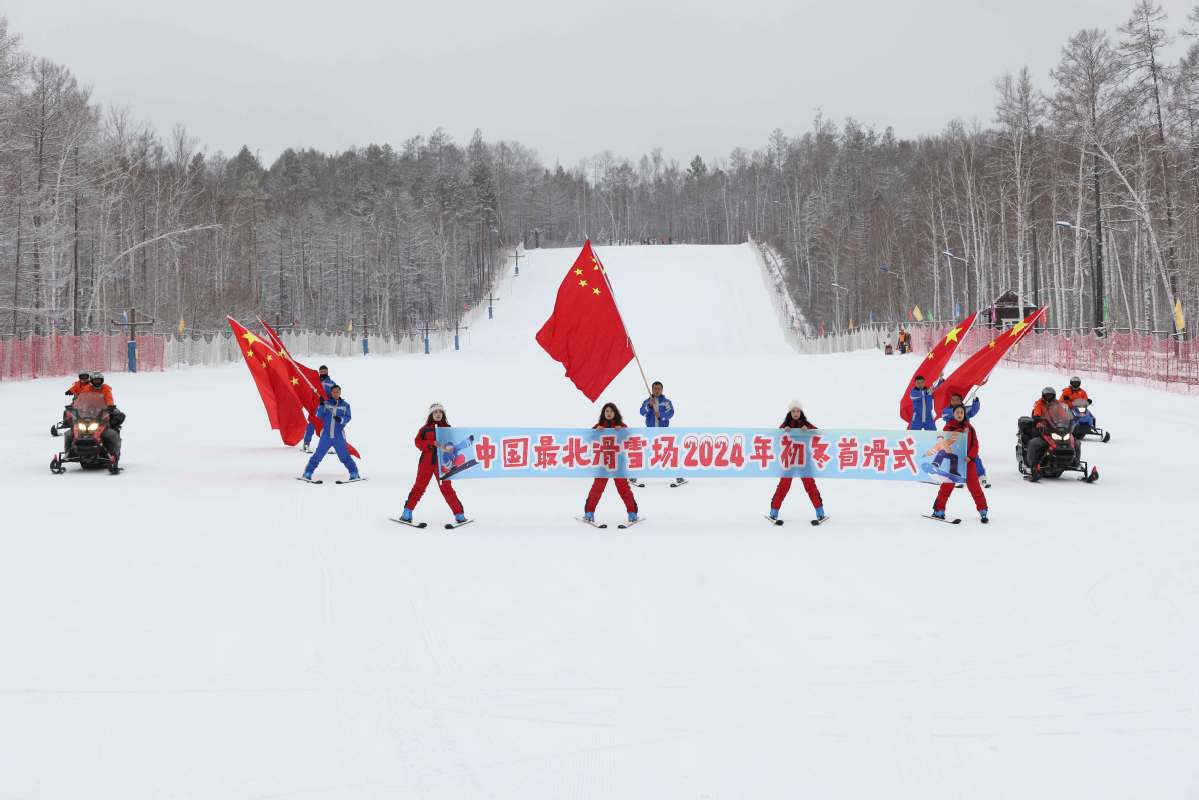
<point x="206" y="626"/>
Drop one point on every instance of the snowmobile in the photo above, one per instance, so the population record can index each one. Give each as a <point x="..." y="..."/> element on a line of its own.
<point x="89" y="419"/>
<point x="1063" y="452"/>
<point x="1084" y="422"/>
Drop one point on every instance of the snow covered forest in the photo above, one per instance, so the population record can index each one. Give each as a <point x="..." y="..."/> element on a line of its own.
<point x="1082" y="191"/>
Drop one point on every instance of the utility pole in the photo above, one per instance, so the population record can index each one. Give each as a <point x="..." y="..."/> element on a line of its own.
<point x="131" y="325"/>
<point x="516" y="257"/>
<point x="491" y="298"/>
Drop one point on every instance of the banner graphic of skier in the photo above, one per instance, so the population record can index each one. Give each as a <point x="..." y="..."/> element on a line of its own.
<point x="928" y="456"/>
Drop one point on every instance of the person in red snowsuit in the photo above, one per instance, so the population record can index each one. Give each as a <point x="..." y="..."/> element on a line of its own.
<point x="796" y="419"/>
<point x="426" y="469"/>
<point x="610" y="418"/>
<point x="961" y="423"/>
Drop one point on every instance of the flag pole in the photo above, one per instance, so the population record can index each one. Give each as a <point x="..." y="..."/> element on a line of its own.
<point x="628" y="338"/>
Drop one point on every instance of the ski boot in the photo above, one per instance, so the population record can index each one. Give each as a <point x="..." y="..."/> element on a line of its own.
<point x="938" y="514"/>
<point x="632" y="516"/>
<point x="407" y="515"/>
<point x="819" y="512"/>
<point x="589" y="516"/>
<point x="774" y="513"/>
<point x="982" y="516"/>
<point x="459" y="518"/>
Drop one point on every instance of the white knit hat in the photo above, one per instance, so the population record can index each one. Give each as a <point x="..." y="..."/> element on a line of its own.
<point x="437" y="407"/>
<point x="795" y="404"/>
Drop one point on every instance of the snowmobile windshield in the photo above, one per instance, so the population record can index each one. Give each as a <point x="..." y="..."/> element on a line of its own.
<point x="1079" y="402"/>
<point x="1059" y="418"/>
<point x="89" y="405"/>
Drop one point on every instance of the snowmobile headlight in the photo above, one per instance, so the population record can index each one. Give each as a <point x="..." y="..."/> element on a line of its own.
<point x="81" y="427"/>
<point x="1059" y="437"/>
<point x="93" y="426"/>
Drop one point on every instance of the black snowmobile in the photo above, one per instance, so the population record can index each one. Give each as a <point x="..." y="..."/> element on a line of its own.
<point x="1062" y="451"/>
<point x="91" y="422"/>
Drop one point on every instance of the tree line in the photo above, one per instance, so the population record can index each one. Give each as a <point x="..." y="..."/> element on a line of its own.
<point x="1081" y="192"/>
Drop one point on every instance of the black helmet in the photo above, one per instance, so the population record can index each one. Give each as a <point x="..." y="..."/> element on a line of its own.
<point x="97" y="379"/>
<point x="1048" y="393"/>
<point x="1075" y="382"/>
<point x="84" y="377"/>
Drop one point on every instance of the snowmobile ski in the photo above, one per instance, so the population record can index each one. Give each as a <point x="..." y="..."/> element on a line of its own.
<point x="409" y="524"/>
<point x="954" y="521"/>
<point x="592" y="522"/>
<point x="449" y="526"/>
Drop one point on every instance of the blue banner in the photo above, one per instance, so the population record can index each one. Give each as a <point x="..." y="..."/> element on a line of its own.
<point x="928" y="456"/>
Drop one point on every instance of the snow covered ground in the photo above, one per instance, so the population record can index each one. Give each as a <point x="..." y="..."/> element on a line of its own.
<point x="204" y="626"/>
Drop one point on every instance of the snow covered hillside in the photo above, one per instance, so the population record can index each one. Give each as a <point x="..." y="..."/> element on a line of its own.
<point x="205" y="626"/>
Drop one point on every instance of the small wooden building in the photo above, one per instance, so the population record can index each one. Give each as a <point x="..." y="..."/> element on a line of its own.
<point x="1007" y="309"/>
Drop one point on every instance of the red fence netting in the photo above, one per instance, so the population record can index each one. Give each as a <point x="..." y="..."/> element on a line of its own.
<point x="48" y="356"/>
<point x="1136" y="357"/>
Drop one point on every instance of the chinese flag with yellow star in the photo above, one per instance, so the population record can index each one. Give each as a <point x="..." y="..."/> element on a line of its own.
<point x="933" y="364"/>
<point x="975" y="370"/>
<point x="585" y="332"/>
<point x="273" y="377"/>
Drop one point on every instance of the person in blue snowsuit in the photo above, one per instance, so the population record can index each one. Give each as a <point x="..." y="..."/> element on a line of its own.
<point x="326" y="384"/>
<point x="658" y="411"/>
<point x="955" y="400"/>
<point x="334" y="414"/>
<point x="923" y="412"/>
<point x="657" y="408"/>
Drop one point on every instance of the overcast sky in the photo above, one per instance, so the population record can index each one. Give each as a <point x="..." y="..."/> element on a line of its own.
<point x="567" y="80"/>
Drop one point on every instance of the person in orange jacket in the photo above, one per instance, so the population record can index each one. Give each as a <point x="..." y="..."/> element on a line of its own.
<point x="426" y="469"/>
<point x="74" y="390"/>
<point x="97" y="385"/>
<point x="1048" y="398"/>
<point x="1074" y="392"/>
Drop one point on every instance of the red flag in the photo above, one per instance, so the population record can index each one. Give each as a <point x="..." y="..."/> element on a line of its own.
<point x="974" y="370"/>
<point x="585" y="332"/>
<point x="311" y="376"/>
<point x="275" y="384"/>
<point x="305" y="383"/>
<point x="932" y="365"/>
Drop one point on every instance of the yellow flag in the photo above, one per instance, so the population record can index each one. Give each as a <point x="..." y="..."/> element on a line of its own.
<point x="851" y="324"/>
<point x="918" y="314"/>
<point x="1180" y="321"/>
<point x="181" y="326"/>
<point x="350" y="327"/>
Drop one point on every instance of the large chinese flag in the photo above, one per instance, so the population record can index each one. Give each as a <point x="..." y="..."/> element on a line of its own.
<point x="585" y="332"/>
<point x="974" y="370"/>
<point x="932" y="365"/>
<point x="305" y="383"/>
<point x="275" y="384"/>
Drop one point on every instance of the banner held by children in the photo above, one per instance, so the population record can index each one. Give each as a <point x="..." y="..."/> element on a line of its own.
<point x="929" y="456"/>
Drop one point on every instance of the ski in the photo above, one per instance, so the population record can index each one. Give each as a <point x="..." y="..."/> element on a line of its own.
<point x="677" y="482"/>
<point x="409" y="524"/>
<point x="351" y="480"/>
<point x="773" y="520"/>
<point x="637" y="483"/>
<point x="954" y="521"/>
<point x="984" y="520"/>
<point x="591" y="522"/>
<point x="307" y="480"/>
<point x="820" y="520"/>
<point x="449" y="526"/>
<point x="626" y="525"/>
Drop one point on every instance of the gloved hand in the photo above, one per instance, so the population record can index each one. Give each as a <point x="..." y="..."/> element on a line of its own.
<point x="67" y="392"/>
<point x="112" y="409"/>
<point x="337" y="417"/>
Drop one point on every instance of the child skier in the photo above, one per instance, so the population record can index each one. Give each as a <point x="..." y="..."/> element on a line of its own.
<point x="334" y="414"/>
<point x="658" y="411"/>
<point x="922" y="406"/>
<point x="426" y="469"/>
<point x="796" y="418"/>
<point x="326" y="384"/>
<point x="609" y="418"/>
<point x="955" y="400"/>
<point x="961" y="423"/>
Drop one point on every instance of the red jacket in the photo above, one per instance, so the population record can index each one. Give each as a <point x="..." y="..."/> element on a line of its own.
<point x="426" y="441"/>
<point x="803" y="423"/>
<point x="600" y="425"/>
<point x="971" y="435"/>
